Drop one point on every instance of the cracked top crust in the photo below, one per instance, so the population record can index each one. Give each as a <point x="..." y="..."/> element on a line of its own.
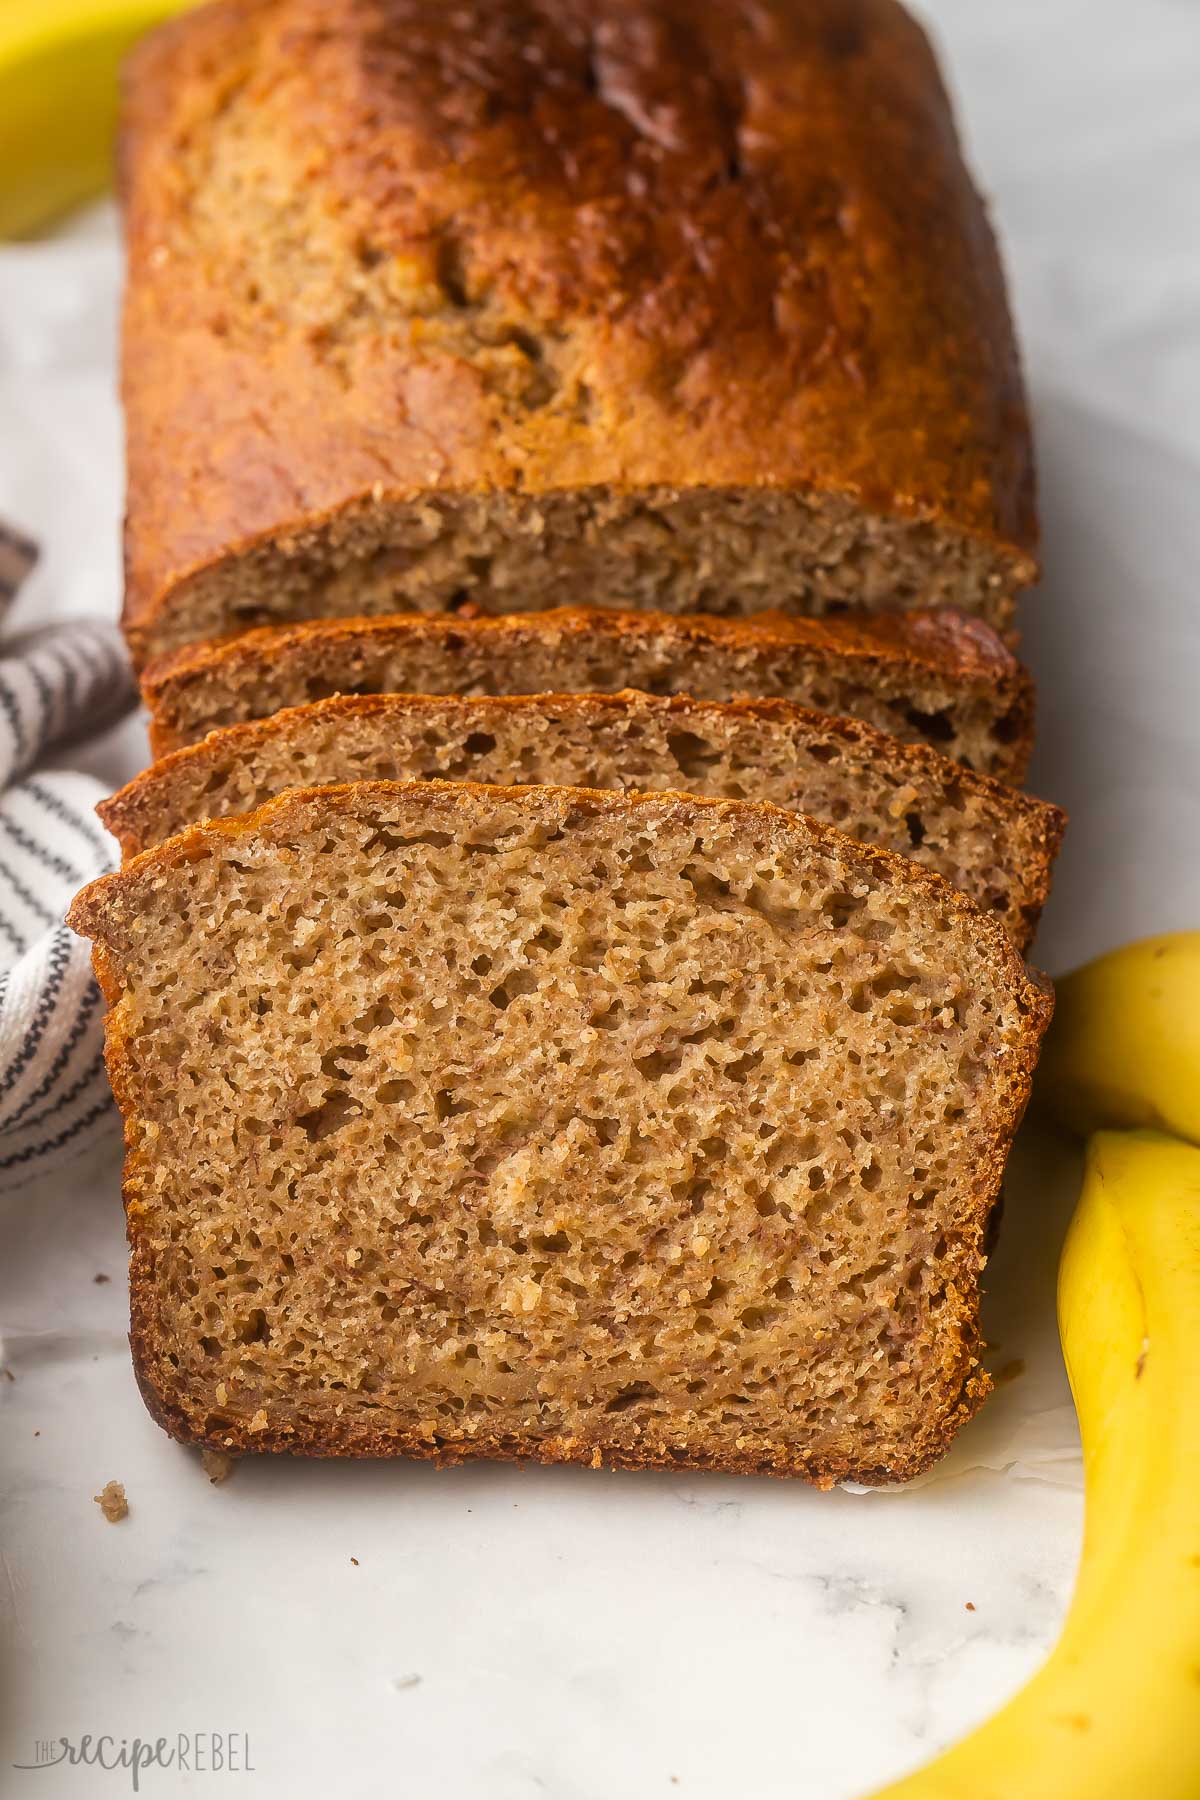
<point x="380" y="250"/>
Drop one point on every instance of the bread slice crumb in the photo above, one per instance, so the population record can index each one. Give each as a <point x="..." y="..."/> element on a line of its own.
<point x="112" y="1502"/>
<point x="573" y="1026"/>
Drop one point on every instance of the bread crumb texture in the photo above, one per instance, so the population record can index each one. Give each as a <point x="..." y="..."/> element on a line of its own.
<point x="537" y="1122"/>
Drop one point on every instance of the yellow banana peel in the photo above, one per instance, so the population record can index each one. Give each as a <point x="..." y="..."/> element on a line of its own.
<point x="59" y="61"/>
<point x="1114" y="1714"/>
<point x="1124" y="1048"/>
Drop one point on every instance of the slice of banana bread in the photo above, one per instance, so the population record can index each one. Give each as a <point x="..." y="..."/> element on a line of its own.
<point x="927" y="677"/>
<point x="641" y="1130"/>
<point x="992" y="841"/>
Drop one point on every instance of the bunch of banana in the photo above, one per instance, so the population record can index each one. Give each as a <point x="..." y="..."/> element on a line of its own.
<point x="1114" y="1714"/>
<point x="58" y="101"/>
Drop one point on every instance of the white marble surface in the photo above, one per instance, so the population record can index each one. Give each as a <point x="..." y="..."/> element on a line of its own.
<point x="513" y="1634"/>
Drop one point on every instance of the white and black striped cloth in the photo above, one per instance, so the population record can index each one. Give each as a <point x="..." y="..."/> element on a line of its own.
<point x="63" y="682"/>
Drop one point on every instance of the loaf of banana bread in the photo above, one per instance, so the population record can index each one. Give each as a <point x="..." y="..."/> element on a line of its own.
<point x="683" y="304"/>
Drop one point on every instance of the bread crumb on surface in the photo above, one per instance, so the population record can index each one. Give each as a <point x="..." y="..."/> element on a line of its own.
<point x="100" y="1279"/>
<point x="970" y="1606"/>
<point x="112" y="1502"/>
<point x="406" y="1681"/>
<point x="354" y="1560"/>
<point x="216" y="1465"/>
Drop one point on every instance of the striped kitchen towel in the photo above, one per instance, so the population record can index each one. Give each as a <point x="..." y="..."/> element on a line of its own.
<point x="63" y="682"/>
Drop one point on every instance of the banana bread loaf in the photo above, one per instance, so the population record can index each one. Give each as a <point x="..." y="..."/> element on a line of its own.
<point x="993" y="842"/>
<point x="926" y="677"/>
<point x="587" y="1127"/>
<point x="684" y="304"/>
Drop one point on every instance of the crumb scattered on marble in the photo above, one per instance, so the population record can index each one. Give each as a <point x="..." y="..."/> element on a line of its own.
<point x="970" y="1606"/>
<point x="406" y="1681"/>
<point x="354" y="1560"/>
<point x="112" y="1502"/>
<point x="1010" y="1371"/>
<point x="37" y="1434"/>
<point x="216" y="1465"/>
<point x="98" y="1279"/>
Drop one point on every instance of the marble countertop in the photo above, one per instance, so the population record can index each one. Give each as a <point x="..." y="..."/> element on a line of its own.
<point x="504" y="1634"/>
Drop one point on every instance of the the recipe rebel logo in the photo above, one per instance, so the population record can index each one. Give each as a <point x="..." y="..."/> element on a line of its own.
<point x="186" y="1752"/>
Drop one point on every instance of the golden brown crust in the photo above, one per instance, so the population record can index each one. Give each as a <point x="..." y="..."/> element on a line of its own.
<point x="944" y="646"/>
<point x="604" y="246"/>
<point x="1035" y="824"/>
<point x="98" y="912"/>
<point x="943" y="641"/>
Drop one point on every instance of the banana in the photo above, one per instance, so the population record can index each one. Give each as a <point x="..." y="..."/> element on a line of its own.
<point x="1114" y="1714"/>
<point x="58" y="101"/>
<point x="1124" y="1048"/>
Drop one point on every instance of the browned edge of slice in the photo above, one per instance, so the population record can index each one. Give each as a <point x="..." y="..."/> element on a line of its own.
<point x="1028" y="837"/>
<point x="941" y="645"/>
